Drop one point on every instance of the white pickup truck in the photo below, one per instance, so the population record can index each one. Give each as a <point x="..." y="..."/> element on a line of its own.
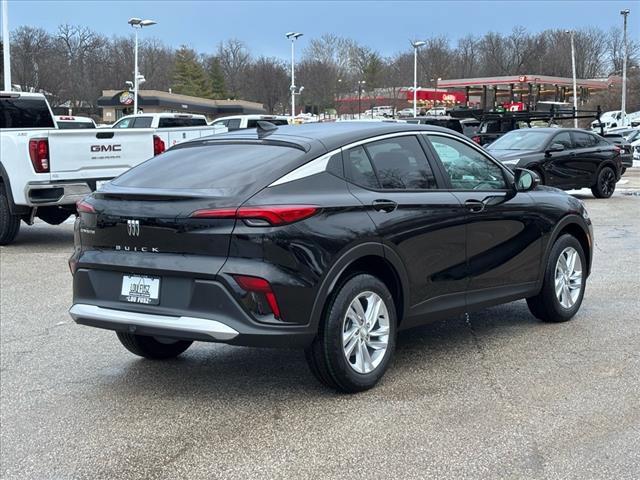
<point x="172" y="128"/>
<point x="44" y="170"/>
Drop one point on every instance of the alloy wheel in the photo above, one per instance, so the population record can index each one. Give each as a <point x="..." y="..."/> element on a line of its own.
<point x="365" y="332"/>
<point x="568" y="277"/>
<point x="607" y="182"/>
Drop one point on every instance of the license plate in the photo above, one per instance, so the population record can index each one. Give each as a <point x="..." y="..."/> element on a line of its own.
<point x="101" y="183"/>
<point x="137" y="289"/>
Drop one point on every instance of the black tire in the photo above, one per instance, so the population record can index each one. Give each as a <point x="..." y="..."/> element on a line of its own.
<point x="150" y="347"/>
<point x="9" y="223"/>
<point x="326" y="357"/>
<point x="605" y="183"/>
<point x="546" y="305"/>
<point x="53" y="215"/>
<point x="623" y="171"/>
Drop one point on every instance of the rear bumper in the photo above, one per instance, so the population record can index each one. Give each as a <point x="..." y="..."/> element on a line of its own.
<point x="189" y="309"/>
<point x="55" y="193"/>
<point x="132" y="321"/>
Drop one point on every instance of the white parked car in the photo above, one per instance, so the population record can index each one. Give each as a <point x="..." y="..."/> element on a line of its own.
<point x="239" y="122"/>
<point x="45" y="170"/>
<point x="172" y="128"/>
<point x="68" y="122"/>
<point x="405" y="112"/>
<point x="380" y="111"/>
<point x="435" y="111"/>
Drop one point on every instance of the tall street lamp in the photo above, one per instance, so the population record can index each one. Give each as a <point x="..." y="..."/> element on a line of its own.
<point x="624" y="13"/>
<point x="137" y="24"/>
<point x="360" y="84"/>
<point x="575" y="87"/>
<point x="293" y="36"/>
<point x="6" y="41"/>
<point x="416" y="46"/>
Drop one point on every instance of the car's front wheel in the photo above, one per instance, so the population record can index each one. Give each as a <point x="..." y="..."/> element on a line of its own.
<point x="563" y="284"/>
<point x="605" y="183"/>
<point x="356" y="338"/>
<point x="155" y="348"/>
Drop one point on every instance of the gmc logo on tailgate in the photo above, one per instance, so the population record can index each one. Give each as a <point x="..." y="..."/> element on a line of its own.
<point x="106" y="148"/>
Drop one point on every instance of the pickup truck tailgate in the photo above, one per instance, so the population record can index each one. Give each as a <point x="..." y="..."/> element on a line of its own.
<point x="92" y="153"/>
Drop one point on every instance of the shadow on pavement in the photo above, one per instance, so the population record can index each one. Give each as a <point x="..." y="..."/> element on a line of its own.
<point x="227" y="372"/>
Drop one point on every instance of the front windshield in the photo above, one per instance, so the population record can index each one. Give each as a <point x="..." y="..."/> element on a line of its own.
<point x="520" y="140"/>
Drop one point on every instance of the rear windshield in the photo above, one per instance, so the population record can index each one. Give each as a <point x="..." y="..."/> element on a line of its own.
<point x="274" y="121"/>
<point x="181" y="122"/>
<point x="75" y="125"/>
<point x="25" y="113"/>
<point x="225" y="167"/>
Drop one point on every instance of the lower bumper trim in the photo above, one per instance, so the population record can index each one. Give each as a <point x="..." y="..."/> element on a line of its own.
<point x="203" y="326"/>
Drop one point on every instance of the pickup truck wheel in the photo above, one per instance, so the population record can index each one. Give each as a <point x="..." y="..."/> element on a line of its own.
<point x="356" y="338"/>
<point x="563" y="283"/>
<point x="53" y="215"/>
<point x="151" y="347"/>
<point x="605" y="183"/>
<point x="9" y="223"/>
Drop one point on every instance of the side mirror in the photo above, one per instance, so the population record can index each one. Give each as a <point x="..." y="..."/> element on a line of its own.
<point x="525" y="180"/>
<point x="555" y="147"/>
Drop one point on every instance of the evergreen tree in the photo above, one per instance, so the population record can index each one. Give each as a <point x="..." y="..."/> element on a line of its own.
<point x="189" y="76"/>
<point x="216" y="76"/>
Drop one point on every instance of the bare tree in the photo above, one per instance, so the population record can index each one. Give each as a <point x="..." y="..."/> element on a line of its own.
<point x="268" y="83"/>
<point x="234" y="59"/>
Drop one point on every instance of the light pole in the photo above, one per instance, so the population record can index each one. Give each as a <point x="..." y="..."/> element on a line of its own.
<point x="137" y="24"/>
<point x="416" y="45"/>
<point x="575" y="87"/>
<point x="5" y="46"/>
<point x="624" y="13"/>
<point x="360" y="83"/>
<point x="293" y="36"/>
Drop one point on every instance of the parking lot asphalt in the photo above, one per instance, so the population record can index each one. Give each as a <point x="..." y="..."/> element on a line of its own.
<point x="497" y="395"/>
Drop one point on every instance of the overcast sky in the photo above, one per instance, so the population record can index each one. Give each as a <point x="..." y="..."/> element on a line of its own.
<point x="384" y="26"/>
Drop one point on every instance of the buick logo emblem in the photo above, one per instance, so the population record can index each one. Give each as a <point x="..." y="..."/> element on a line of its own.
<point x="133" y="228"/>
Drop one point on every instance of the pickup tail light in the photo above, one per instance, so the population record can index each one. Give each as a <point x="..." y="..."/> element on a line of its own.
<point x="158" y="145"/>
<point x="39" y="154"/>
<point x="261" y="290"/>
<point x="261" y="216"/>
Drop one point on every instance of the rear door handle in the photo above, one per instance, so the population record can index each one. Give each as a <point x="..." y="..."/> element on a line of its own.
<point x="384" y="205"/>
<point x="474" y="206"/>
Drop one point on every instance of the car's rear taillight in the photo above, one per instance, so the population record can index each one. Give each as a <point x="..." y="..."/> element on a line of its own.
<point x="39" y="153"/>
<point x="259" y="287"/>
<point x="273" y="215"/>
<point x="85" y="207"/>
<point x="158" y="145"/>
<point x="476" y="139"/>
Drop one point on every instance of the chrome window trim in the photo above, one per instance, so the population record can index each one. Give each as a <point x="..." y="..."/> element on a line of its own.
<point x="319" y="164"/>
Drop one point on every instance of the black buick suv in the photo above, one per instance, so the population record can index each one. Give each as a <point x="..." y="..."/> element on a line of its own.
<point x="330" y="237"/>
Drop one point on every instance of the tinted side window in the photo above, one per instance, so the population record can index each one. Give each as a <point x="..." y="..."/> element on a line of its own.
<point x="564" y="139"/>
<point x="233" y="124"/>
<point x="467" y="168"/>
<point x="584" y="140"/>
<point x="252" y="123"/>
<point x="24" y="113"/>
<point x="400" y="164"/>
<point x="358" y="168"/>
<point x="142" y="122"/>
